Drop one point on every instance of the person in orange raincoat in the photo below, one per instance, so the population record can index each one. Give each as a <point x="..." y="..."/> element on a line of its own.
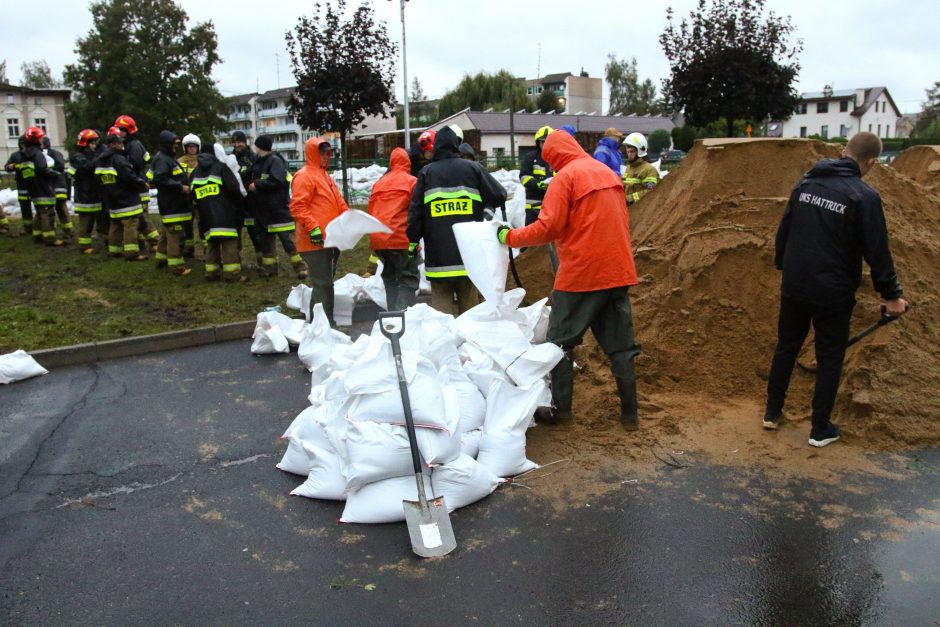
<point x="315" y="201"/>
<point x="388" y="203"/>
<point x="585" y="213"/>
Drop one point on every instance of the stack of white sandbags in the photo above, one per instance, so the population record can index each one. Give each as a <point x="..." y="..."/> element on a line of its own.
<point x="474" y="384"/>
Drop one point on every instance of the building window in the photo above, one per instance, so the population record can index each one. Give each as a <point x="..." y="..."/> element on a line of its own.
<point x="802" y="131"/>
<point x="869" y="128"/>
<point x="879" y="130"/>
<point x="887" y="130"/>
<point x="844" y="130"/>
<point x="800" y="108"/>
<point x="824" y="131"/>
<point x="9" y="98"/>
<point x="822" y="107"/>
<point x="41" y="123"/>
<point x="37" y="100"/>
<point x="13" y="127"/>
<point x="843" y="106"/>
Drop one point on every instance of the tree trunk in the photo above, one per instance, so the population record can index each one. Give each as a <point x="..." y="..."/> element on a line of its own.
<point x="730" y="122"/>
<point x="342" y="164"/>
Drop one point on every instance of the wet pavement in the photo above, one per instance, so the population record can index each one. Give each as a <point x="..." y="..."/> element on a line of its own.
<point x="143" y="490"/>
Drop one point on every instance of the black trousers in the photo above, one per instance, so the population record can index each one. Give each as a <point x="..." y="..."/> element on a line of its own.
<point x="832" y="335"/>
<point x="401" y="276"/>
<point x="322" y="266"/>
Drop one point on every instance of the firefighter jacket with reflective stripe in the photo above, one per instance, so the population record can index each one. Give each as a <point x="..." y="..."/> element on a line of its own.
<point x="169" y="179"/>
<point x="62" y="179"/>
<point x="188" y="162"/>
<point x="214" y="190"/>
<point x="638" y="179"/>
<point x="271" y="198"/>
<point x="245" y="159"/>
<point x="832" y="221"/>
<point x="136" y="153"/>
<point x="389" y="200"/>
<point x="449" y="190"/>
<point x="585" y="214"/>
<point x="17" y="158"/>
<point x="87" y="189"/>
<point x="315" y="199"/>
<point x="120" y="183"/>
<point x="532" y="174"/>
<point x="40" y="179"/>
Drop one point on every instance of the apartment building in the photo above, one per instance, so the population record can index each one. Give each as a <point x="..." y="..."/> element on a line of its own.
<point x="579" y="95"/>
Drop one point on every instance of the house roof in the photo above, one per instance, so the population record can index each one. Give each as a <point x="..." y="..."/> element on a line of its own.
<point x="242" y="98"/>
<point x="283" y="92"/>
<point x="871" y="95"/>
<point x="30" y="90"/>
<point x="835" y="95"/>
<point x="497" y="122"/>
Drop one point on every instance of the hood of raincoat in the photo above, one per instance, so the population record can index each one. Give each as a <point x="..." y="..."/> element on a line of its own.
<point x="561" y="150"/>
<point x="446" y="144"/>
<point x="166" y="141"/>
<point x="312" y="152"/>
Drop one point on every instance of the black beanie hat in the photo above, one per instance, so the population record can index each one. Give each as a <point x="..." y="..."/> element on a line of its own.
<point x="264" y="142"/>
<point x="239" y="136"/>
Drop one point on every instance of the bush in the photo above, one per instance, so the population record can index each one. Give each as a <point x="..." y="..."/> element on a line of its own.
<point x="659" y="140"/>
<point x="683" y="137"/>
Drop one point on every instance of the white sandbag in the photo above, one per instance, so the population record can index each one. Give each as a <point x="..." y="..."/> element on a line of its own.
<point x="381" y="502"/>
<point x="306" y="428"/>
<point x="427" y="406"/>
<point x="381" y="451"/>
<point x="374" y="370"/>
<point x="19" y="365"/>
<point x="269" y="340"/>
<point x="373" y="288"/>
<point x="345" y="230"/>
<point x="536" y="316"/>
<point x="504" y="455"/>
<point x="502" y="340"/>
<point x="509" y="411"/>
<point x="472" y="405"/>
<point x="299" y="299"/>
<point x="326" y="480"/>
<point x="345" y="293"/>
<point x="470" y="442"/>
<point x="534" y="364"/>
<point x="479" y="367"/>
<point x="9" y="198"/>
<point x="293" y="329"/>
<point x="319" y="343"/>
<point x="485" y="259"/>
<point x="463" y="481"/>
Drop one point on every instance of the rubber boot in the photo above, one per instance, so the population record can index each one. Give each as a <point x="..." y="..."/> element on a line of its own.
<point x="562" y="392"/>
<point x="624" y="372"/>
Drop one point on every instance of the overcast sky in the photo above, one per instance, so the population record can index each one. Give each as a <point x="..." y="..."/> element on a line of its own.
<point x="862" y="43"/>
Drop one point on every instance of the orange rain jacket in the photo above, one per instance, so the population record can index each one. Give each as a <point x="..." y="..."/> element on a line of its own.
<point x="315" y="199"/>
<point x="389" y="201"/>
<point x="585" y="213"/>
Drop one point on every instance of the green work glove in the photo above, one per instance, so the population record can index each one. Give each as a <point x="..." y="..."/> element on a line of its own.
<point x="501" y="234"/>
<point x="543" y="184"/>
<point x="316" y="237"/>
<point x="413" y="249"/>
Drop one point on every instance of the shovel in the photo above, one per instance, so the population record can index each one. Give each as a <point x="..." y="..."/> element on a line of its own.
<point x="428" y="521"/>
<point x="885" y="319"/>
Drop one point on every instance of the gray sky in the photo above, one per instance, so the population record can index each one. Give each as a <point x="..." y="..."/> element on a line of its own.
<point x="848" y="45"/>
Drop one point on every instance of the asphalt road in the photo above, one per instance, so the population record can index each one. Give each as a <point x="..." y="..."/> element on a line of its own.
<point x="143" y="491"/>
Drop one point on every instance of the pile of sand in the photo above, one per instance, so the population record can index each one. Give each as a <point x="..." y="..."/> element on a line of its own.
<point x="706" y="310"/>
<point x="921" y="163"/>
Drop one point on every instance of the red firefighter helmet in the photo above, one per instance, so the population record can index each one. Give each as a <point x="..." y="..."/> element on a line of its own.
<point x="85" y="136"/>
<point x="114" y="134"/>
<point x="127" y="123"/>
<point x="426" y="140"/>
<point x="34" y="135"/>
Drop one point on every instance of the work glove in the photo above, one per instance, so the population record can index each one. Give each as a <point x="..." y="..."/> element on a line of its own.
<point x="543" y="184"/>
<point x="501" y="233"/>
<point x="413" y="250"/>
<point x="316" y="237"/>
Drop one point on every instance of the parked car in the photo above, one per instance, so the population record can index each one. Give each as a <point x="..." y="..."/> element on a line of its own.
<point x="673" y="156"/>
<point x="653" y="157"/>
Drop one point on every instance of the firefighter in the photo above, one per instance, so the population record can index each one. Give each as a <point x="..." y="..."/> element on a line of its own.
<point x="14" y="164"/>
<point x="421" y="152"/>
<point x="449" y="190"/>
<point x="41" y="180"/>
<point x="270" y="186"/>
<point x="191" y="146"/>
<point x="140" y="159"/>
<point x="215" y="192"/>
<point x="246" y="158"/>
<point x="640" y="176"/>
<point x="584" y="212"/>
<point x="87" y="189"/>
<point x="535" y="175"/>
<point x="172" y="184"/>
<point x="62" y="188"/>
<point x="121" y="187"/>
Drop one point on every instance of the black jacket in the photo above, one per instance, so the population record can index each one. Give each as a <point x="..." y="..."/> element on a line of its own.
<point x="416" y="155"/>
<point x="214" y="190"/>
<point x="832" y="221"/>
<point x="245" y="160"/>
<point x="449" y="190"/>
<point x="270" y="201"/>
<point x="39" y="178"/>
<point x="87" y="189"/>
<point x="169" y="179"/>
<point x="136" y="153"/>
<point x="16" y="160"/>
<point x="532" y="171"/>
<point x="121" y="184"/>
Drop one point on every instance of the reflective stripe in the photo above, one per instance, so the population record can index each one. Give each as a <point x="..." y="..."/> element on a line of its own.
<point x="443" y="274"/>
<point x="630" y="180"/>
<point x="208" y="179"/>
<point x="145" y="198"/>
<point x="160" y="256"/>
<point x="635" y="196"/>
<point x="222" y="232"/>
<point x="281" y="228"/>
<point x="231" y="267"/>
<point x="535" y="206"/>
<point x="176" y="171"/>
<point x="651" y="179"/>
<point x="174" y="261"/>
<point x="211" y="267"/>
<point x="452" y="192"/>
<point x="44" y="200"/>
<point x="67" y="225"/>
<point x="525" y="179"/>
<point x="84" y="240"/>
<point x="125" y="212"/>
<point x="538" y="171"/>
<point x="22" y="196"/>
<point x="297" y="259"/>
<point x="86" y="207"/>
<point x="131" y="248"/>
<point x="70" y="171"/>
<point x="114" y="249"/>
<point x="149" y="175"/>
<point x="61" y="196"/>
<point x="249" y="222"/>
<point x="170" y="218"/>
<point x="269" y="261"/>
<point x="154" y="234"/>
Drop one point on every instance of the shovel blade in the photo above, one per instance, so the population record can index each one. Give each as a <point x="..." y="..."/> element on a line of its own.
<point x="429" y="528"/>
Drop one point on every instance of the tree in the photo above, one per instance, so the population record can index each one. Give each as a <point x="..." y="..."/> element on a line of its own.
<point x="422" y="112"/>
<point x="627" y="94"/>
<point x="659" y="140"/>
<point x="345" y="70"/>
<point x="3" y="72"/>
<point x="37" y="75"/>
<point x="483" y="91"/>
<point x="931" y="113"/>
<point x="728" y="61"/>
<point x="120" y="70"/>
<point x="548" y="101"/>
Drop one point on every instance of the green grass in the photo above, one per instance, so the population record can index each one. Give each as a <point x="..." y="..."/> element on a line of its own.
<point x="57" y="297"/>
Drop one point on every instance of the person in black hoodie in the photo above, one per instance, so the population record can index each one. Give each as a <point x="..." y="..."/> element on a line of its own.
<point x="41" y="181"/>
<point x="14" y="164"/>
<point x="62" y="187"/>
<point x="449" y="190"/>
<point x="215" y="192"/>
<point x="172" y="186"/>
<point x="832" y="221"/>
<point x="121" y="187"/>
<point x="535" y="175"/>
<point x="139" y="157"/>
<point x="87" y="189"/>
<point x="246" y="158"/>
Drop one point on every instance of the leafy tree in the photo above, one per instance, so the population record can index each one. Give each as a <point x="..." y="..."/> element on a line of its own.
<point x="121" y="70"/>
<point x="548" y="101"/>
<point x="422" y="112"/>
<point x="729" y="61"/>
<point x="482" y="91"/>
<point x="683" y="137"/>
<point x="659" y="140"/>
<point x="627" y="94"/>
<point x="36" y="74"/>
<point x="930" y="114"/>
<point x="3" y="72"/>
<point x="345" y="70"/>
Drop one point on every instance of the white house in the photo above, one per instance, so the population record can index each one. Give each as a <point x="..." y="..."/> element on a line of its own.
<point x="842" y="113"/>
<point x="25" y="107"/>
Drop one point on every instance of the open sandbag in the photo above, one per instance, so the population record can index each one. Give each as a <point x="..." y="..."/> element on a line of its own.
<point x="345" y="230"/>
<point x="485" y="259"/>
<point x="509" y="411"/>
<point x="463" y="481"/>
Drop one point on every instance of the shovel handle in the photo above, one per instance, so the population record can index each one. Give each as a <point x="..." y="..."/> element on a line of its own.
<point x="392" y="324"/>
